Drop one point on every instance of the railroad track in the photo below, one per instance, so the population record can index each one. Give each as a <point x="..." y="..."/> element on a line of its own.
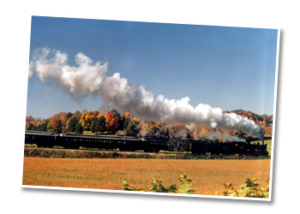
<point x="129" y="152"/>
<point x="103" y="151"/>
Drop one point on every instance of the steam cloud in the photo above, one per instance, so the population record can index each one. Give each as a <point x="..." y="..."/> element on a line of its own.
<point x="87" y="77"/>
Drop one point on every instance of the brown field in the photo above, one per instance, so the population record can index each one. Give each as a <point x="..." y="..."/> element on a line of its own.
<point x="207" y="176"/>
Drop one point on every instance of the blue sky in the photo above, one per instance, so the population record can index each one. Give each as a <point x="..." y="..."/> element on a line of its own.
<point x="226" y="67"/>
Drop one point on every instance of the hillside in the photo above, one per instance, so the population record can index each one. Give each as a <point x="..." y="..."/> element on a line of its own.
<point x="264" y="121"/>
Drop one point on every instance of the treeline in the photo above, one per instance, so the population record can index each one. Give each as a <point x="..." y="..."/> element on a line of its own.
<point x="115" y="123"/>
<point x="93" y="121"/>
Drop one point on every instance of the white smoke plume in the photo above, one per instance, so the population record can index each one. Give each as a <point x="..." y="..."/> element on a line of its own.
<point x="87" y="77"/>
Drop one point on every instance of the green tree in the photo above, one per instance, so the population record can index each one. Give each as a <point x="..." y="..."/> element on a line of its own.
<point x="43" y="126"/>
<point x="58" y="127"/>
<point x="131" y="129"/>
<point x="79" y="129"/>
<point x="115" y="114"/>
<point x="32" y="127"/>
<point x="87" y="124"/>
<point x="93" y="126"/>
<point x="72" y="125"/>
<point x="100" y="125"/>
<point x="49" y="127"/>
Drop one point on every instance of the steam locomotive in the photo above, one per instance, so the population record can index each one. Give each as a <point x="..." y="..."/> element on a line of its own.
<point x="126" y="143"/>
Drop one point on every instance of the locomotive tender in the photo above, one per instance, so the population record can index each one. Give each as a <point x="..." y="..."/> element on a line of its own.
<point x="126" y="143"/>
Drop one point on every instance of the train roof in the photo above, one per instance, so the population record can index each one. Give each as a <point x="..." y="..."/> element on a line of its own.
<point x="100" y="137"/>
<point x="41" y="133"/>
<point x="154" y="139"/>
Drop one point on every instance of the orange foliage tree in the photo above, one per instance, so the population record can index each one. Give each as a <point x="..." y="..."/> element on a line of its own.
<point x="112" y="123"/>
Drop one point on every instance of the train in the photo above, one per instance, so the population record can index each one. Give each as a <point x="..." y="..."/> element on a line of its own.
<point x="128" y="143"/>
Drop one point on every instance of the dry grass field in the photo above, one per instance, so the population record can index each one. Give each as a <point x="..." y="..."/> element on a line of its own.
<point x="207" y="176"/>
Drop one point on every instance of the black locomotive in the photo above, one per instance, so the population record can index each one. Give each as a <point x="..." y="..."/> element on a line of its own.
<point x="125" y="143"/>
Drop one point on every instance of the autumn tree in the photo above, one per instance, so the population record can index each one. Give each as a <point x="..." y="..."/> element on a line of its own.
<point x="112" y="123"/>
<point x="63" y="118"/>
<point x="136" y="121"/>
<point x="100" y="114"/>
<point x="86" y="120"/>
<point x="125" y="120"/>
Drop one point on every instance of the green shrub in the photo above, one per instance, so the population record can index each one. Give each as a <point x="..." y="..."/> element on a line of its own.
<point x="126" y="187"/>
<point x="228" y="190"/>
<point x="248" y="189"/>
<point x="251" y="189"/>
<point x="156" y="186"/>
<point x="185" y="185"/>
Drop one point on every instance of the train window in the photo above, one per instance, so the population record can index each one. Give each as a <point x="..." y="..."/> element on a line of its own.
<point x="67" y="139"/>
<point x="74" y="140"/>
<point x="33" y="137"/>
<point x="71" y="139"/>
